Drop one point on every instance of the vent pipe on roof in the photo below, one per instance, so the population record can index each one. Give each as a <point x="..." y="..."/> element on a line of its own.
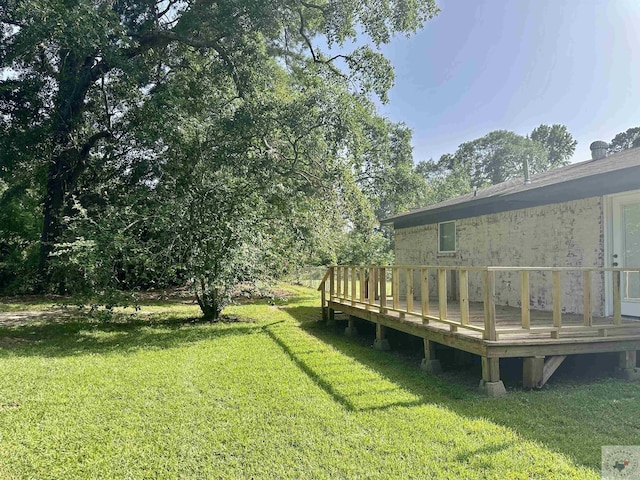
<point x="527" y="178"/>
<point x="598" y="150"/>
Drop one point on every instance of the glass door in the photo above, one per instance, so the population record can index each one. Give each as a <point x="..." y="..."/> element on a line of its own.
<point x="626" y="250"/>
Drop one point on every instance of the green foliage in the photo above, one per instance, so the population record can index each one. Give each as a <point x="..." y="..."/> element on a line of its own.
<point x="557" y="141"/>
<point x="625" y="140"/>
<point x="120" y="118"/>
<point x="361" y="249"/>
<point x="498" y="156"/>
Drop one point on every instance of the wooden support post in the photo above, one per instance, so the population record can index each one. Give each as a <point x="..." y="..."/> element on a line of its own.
<point x="382" y="273"/>
<point x="491" y="385"/>
<point x="557" y="303"/>
<point x="525" y="299"/>
<point x="430" y="363"/>
<point x="627" y="366"/>
<point x="339" y="281"/>
<point x="424" y="293"/>
<point x="381" y="343"/>
<point x="409" y="277"/>
<point x="323" y="302"/>
<point x="532" y="368"/>
<point x="351" y="330"/>
<point x="395" y="287"/>
<point x="489" y="306"/>
<point x="628" y="359"/>
<point x="363" y="297"/>
<point x="587" y="310"/>
<point x="617" y="299"/>
<point x="354" y="274"/>
<point x="490" y="369"/>
<point x="331" y="319"/>
<point x="464" y="296"/>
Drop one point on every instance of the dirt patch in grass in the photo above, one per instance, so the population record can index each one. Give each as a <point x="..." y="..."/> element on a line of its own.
<point x="25" y="317"/>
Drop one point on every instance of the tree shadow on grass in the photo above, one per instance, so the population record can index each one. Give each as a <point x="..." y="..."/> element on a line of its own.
<point x="574" y="418"/>
<point x="82" y="335"/>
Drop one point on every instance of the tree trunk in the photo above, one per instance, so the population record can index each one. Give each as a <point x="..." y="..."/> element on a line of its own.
<point x="62" y="177"/>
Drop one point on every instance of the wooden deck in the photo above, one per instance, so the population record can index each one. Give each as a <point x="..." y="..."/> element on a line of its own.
<point x="542" y="338"/>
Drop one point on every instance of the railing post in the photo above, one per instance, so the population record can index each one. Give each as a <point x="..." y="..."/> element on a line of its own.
<point x="338" y="281"/>
<point x="382" y="274"/>
<point x="424" y="292"/>
<point x="525" y="290"/>
<point x="489" y="306"/>
<point x="362" y="285"/>
<point x="409" y="277"/>
<point x="587" y="311"/>
<point x="617" y="299"/>
<point x="557" y="303"/>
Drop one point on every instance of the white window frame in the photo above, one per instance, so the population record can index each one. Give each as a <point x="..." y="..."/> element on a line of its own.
<point x="455" y="237"/>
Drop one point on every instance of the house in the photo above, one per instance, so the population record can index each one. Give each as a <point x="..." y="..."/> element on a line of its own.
<point x="586" y="214"/>
<point x="535" y="268"/>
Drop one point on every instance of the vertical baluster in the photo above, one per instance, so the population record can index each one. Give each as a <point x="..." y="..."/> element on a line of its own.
<point x="587" y="309"/>
<point x="442" y="294"/>
<point x="382" y="277"/>
<point x="617" y="299"/>
<point x="464" y="296"/>
<point x="557" y="303"/>
<point x="371" y="283"/>
<point x="395" y="284"/>
<point x="424" y="293"/>
<point x="345" y="274"/>
<point x="525" y="308"/>
<point x="353" y="285"/>
<point x="363" y="298"/>
<point x="409" y="277"/>
<point x="332" y="285"/>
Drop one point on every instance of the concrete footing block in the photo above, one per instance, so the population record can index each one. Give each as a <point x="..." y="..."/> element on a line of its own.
<point x="629" y="374"/>
<point x="382" y="344"/>
<point x="492" y="389"/>
<point x="431" y="366"/>
<point x="351" y="331"/>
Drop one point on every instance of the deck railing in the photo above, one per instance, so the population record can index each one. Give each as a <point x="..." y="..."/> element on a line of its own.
<point x="379" y="288"/>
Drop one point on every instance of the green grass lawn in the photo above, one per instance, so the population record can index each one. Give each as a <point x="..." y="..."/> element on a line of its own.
<point x="279" y="395"/>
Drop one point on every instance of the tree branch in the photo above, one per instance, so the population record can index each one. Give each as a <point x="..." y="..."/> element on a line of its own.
<point x="88" y="145"/>
<point x="164" y="37"/>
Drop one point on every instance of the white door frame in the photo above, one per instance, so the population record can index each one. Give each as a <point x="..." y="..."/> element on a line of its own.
<point x="611" y="222"/>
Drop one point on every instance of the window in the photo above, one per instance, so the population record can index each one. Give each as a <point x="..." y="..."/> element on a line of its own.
<point x="447" y="237"/>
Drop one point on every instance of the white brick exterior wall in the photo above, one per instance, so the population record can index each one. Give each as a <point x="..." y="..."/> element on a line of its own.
<point x="561" y="234"/>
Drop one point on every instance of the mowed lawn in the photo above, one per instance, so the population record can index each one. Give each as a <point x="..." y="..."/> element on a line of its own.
<point x="275" y="395"/>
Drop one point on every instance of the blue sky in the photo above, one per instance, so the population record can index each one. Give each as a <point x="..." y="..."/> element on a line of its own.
<point x="484" y="65"/>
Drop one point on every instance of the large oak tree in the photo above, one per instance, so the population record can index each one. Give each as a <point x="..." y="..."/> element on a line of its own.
<point x="102" y="96"/>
